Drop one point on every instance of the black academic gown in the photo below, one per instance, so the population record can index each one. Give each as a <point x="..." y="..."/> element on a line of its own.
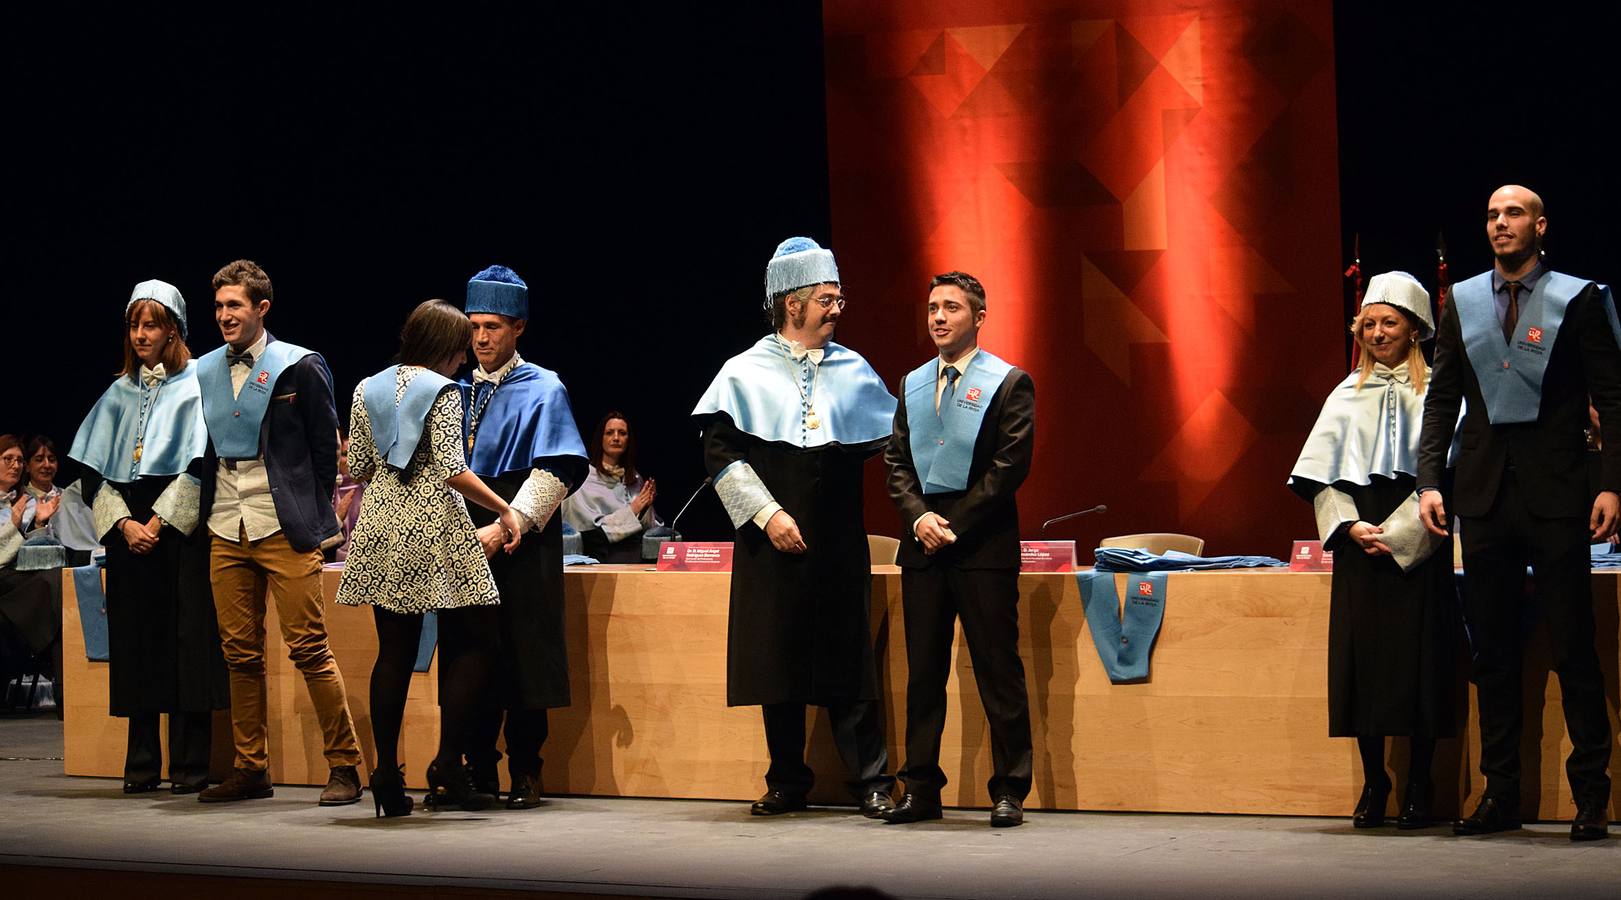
<point x="530" y="579"/>
<point x="162" y="632"/>
<point x="798" y="624"/>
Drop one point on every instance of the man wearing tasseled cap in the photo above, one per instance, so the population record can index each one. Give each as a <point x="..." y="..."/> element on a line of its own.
<point x="522" y="440"/>
<point x="1526" y="346"/>
<point x="142" y="448"/>
<point x="786" y="428"/>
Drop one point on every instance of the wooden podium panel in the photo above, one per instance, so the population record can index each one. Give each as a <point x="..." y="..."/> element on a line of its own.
<point x="1233" y="718"/>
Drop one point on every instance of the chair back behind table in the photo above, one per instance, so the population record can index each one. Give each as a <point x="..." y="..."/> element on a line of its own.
<point x="883" y="549"/>
<point x="1157" y="542"/>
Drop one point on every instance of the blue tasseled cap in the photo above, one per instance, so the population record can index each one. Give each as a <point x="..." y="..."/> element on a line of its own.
<point x="165" y="294"/>
<point x="799" y="261"/>
<point x="498" y="290"/>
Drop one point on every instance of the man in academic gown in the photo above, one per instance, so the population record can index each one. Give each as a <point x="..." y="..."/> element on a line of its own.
<point x="963" y="438"/>
<point x="522" y="440"/>
<point x="786" y="427"/>
<point x="1525" y="346"/>
<point x="268" y="477"/>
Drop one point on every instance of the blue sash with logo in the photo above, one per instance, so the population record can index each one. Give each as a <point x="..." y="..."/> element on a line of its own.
<point x="233" y="422"/>
<point x="92" y="599"/>
<point x="1124" y="642"/>
<point x="943" y="445"/>
<point x="396" y="429"/>
<point x="1510" y="374"/>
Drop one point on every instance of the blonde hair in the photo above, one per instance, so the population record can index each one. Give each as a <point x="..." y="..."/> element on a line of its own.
<point x="1417" y="368"/>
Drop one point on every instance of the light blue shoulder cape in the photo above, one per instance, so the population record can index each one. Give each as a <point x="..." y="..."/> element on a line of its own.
<point x="396" y="428"/>
<point x="175" y="433"/>
<point x="757" y="390"/>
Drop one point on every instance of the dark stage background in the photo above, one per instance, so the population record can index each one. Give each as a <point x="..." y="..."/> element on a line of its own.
<point x="638" y="163"/>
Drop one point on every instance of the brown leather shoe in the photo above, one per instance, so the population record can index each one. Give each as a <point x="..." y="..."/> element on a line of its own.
<point x="241" y="784"/>
<point x="342" y="787"/>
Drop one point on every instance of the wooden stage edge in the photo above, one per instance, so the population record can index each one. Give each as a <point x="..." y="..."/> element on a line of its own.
<point x="1233" y="718"/>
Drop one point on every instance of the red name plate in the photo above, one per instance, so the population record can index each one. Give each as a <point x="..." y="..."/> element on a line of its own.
<point x="1309" y="556"/>
<point x="695" y="556"/>
<point x="1046" y="556"/>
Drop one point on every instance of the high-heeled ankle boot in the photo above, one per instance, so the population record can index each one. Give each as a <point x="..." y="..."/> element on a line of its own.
<point x="1370" y="810"/>
<point x="450" y="786"/>
<point x="388" y="792"/>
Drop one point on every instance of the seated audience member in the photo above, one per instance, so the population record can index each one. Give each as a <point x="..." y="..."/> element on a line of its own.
<point x="346" y="500"/>
<point x="28" y="606"/>
<point x="614" y="507"/>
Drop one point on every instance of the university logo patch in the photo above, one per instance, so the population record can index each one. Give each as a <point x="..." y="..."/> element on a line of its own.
<point x="264" y="377"/>
<point x="1534" y="335"/>
<point x="972" y="395"/>
<point x="1145" y="588"/>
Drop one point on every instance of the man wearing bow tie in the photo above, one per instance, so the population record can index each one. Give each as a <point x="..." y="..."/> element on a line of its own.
<point x="522" y="440"/>
<point x="964" y="435"/>
<point x="273" y="449"/>
<point x="1526" y="346"/>
<point x="787" y="426"/>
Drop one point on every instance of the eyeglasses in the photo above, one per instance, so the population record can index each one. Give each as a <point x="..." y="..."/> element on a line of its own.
<point x="9" y="460"/>
<point x="830" y="301"/>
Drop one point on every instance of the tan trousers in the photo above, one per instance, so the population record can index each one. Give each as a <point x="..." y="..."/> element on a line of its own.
<point x="244" y="574"/>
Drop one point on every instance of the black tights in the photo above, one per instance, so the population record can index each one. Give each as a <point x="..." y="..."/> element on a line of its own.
<point x="1372" y="750"/>
<point x="467" y="638"/>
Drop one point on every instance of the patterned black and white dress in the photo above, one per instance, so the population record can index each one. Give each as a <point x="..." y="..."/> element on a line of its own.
<point x="414" y="547"/>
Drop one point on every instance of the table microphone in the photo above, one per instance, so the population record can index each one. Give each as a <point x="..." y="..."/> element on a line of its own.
<point x="1100" y="509"/>
<point x="674" y="534"/>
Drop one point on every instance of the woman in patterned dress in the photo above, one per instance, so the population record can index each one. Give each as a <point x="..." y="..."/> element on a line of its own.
<point x="414" y="550"/>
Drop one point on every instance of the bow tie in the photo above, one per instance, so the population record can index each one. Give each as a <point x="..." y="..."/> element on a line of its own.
<point x="154" y="376"/>
<point x="480" y="376"/>
<point x="238" y="359"/>
<point x="798" y="352"/>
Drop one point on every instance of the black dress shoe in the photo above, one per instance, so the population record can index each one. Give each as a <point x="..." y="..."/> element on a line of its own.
<point x="1592" y="822"/>
<point x="1415" y="810"/>
<point x="876" y="804"/>
<point x="1007" y="812"/>
<point x="142" y="787"/>
<point x="775" y="803"/>
<point x="913" y="808"/>
<point x="1370" y="809"/>
<point x="182" y="787"/>
<point x="1491" y="816"/>
<point x="525" y="793"/>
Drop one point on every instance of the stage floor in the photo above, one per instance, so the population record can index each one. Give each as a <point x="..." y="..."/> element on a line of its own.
<point x="85" y="829"/>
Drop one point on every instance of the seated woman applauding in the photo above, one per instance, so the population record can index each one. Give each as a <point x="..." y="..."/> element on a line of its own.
<point x="614" y="506"/>
<point x="414" y="550"/>
<point x="1393" y="613"/>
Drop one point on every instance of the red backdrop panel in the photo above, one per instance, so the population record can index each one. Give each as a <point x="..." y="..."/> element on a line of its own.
<point x="1149" y="192"/>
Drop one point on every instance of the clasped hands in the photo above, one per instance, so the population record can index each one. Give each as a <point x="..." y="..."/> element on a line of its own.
<point x="141" y="538"/>
<point x="505" y="534"/>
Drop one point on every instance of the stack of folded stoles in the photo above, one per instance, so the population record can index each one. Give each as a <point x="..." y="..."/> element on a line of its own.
<point x="1125" y="559"/>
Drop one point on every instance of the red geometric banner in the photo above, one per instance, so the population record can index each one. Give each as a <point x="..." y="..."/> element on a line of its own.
<point x="1149" y="192"/>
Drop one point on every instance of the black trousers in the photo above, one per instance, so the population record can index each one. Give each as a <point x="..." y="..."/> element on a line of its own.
<point x="526" y="730"/>
<point x="190" y="741"/>
<point x="858" y="733"/>
<point x="987" y="600"/>
<point x="1496" y="550"/>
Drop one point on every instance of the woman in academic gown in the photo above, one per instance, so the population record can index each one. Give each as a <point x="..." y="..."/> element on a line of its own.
<point x="614" y="506"/>
<point x="142" y="450"/>
<point x="1393" y="616"/>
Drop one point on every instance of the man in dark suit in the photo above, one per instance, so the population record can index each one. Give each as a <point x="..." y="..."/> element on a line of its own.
<point x="273" y="461"/>
<point x="962" y="444"/>
<point x="1525" y="346"/>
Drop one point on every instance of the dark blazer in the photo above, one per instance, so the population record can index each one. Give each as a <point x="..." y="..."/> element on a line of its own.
<point x="984" y="517"/>
<point x="299" y="437"/>
<point x="1548" y="455"/>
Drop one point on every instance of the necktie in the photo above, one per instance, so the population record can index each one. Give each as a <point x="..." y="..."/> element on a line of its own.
<point x="1511" y="317"/>
<point x="951" y="375"/>
<point x="239" y="359"/>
